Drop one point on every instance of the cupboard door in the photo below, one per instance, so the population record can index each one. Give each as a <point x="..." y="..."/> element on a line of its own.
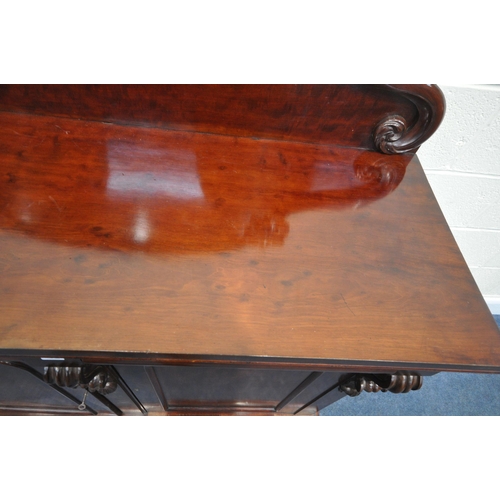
<point x="22" y="392"/>
<point x="227" y="389"/>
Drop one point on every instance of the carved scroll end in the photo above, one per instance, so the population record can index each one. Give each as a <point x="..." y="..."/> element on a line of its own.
<point x="401" y="382"/>
<point x="395" y="134"/>
<point x="388" y="132"/>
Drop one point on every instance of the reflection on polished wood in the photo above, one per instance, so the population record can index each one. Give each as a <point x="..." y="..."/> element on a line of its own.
<point x="157" y="191"/>
<point x="149" y="242"/>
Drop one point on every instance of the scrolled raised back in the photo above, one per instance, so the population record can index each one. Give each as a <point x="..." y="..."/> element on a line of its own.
<point x="385" y="118"/>
<point x="395" y="134"/>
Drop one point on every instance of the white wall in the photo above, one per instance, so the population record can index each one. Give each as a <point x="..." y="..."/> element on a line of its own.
<point x="462" y="163"/>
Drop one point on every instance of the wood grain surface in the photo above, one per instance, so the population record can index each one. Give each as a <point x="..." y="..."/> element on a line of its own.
<point x="139" y="240"/>
<point x="389" y="118"/>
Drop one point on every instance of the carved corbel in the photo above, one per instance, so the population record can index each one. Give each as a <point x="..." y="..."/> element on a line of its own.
<point x="400" y="382"/>
<point x="395" y="134"/>
<point x="94" y="378"/>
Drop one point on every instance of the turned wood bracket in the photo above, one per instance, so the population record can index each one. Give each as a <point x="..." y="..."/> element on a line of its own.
<point x="355" y="384"/>
<point x="395" y="134"/>
<point x="94" y="378"/>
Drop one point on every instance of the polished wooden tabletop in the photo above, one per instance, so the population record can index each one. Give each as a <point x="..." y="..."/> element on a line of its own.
<point x="149" y="242"/>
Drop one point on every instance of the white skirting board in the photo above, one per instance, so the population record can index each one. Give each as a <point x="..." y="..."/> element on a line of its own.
<point x="493" y="302"/>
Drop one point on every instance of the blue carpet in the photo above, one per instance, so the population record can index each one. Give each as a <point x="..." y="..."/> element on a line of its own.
<point x="442" y="394"/>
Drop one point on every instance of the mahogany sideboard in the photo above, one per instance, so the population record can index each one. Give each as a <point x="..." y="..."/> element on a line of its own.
<point x="225" y="249"/>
